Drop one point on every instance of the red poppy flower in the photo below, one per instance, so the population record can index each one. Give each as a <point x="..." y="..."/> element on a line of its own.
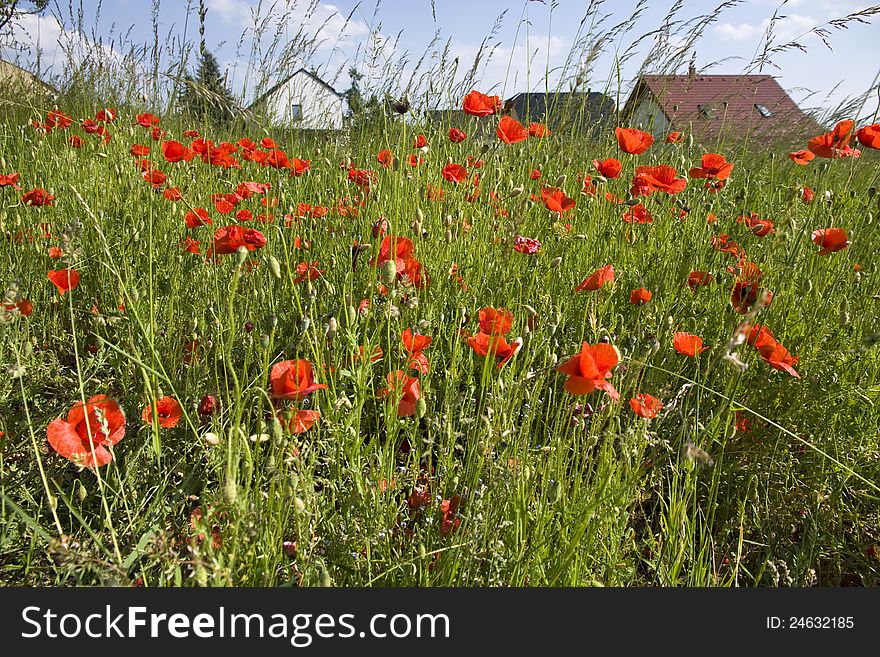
<point x="154" y="176"/>
<point x="174" y="151"/>
<point x="495" y="321"/>
<point x="688" y="344"/>
<point x="191" y="245"/>
<point x="486" y="344"/>
<point x="172" y="194"/>
<point x="92" y="427"/>
<point x="661" y="178"/>
<point x="230" y="238"/>
<point x="404" y="389"/>
<point x="168" y="412"/>
<point x="37" y="197"/>
<point x="420" y="142"/>
<point x="555" y="200"/>
<point x="477" y="104"/>
<point x="197" y="217"/>
<point x="698" y="279"/>
<point x="538" y="130"/>
<point x="105" y="115"/>
<point x="304" y="271"/>
<point x="639" y="296"/>
<point x="400" y="250"/>
<point x="64" y="279"/>
<point x="713" y="166"/>
<point x="590" y="370"/>
<point x="148" y="120"/>
<point x="675" y="137"/>
<point x="807" y="195"/>
<point x="526" y="245"/>
<point x="415" y="343"/>
<point x="75" y="141"/>
<point x="301" y="421"/>
<point x="869" y="135"/>
<point x="802" y="157"/>
<point x="779" y="358"/>
<point x="10" y="179"/>
<point x="830" y="239"/>
<point x="456" y="136"/>
<point x="385" y="158"/>
<point x="449" y="524"/>
<point x="277" y="159"/>
<point x="760" y="227"/>
<point x="609" y="168"/>
<point x="645" y="405"/>
<point x="189" y="134"/>
<point x="832" y="144"/>
<point x="633" y="141"/>
<point x="597" y="279"/>
<point x="293" y="379"/>
<point x="300" y="166"/>
<point x="637" y="214"/>
<point x="511" y="131"/>
<point x="268" y="142"/>
<point x="454" y="173"/>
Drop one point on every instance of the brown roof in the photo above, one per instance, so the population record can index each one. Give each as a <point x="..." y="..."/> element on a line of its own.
<point x="718" y="106"/>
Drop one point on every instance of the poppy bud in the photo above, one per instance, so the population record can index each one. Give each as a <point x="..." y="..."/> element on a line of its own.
<point x="555" y="262"/>
<point x="421" y="407"/>
<point x="311" y="292"/>
<point x="332" y="328"/>
<point x="212" y="439"/>
<point x="248" y="326"/>
<point x="305" y="324"/>
<point x="241" y="255"/>
<point x="484" y="149"/>
<point x="389" y="272"/>
<point x="230" y="491"/>
<point x="448" y="219"/>
<point x="516" y="191"/>
<point x="560" y="181"/>
<point x="81" y="492"/>
<point x="275" y="266"/>
<point x="264" y="341"/>
<point x="448" y="236"/>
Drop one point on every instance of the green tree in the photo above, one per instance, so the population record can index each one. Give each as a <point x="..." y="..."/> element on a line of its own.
<point x="206" y="96"/>
<point x="360" y="110"/>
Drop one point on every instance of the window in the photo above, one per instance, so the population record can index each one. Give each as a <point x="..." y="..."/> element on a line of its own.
<point x="706" y="111"/>
<point x="763" y="110"/>
<point x="296" y="112"/>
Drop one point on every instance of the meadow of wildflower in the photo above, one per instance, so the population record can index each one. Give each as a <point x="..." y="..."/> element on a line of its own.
<point x="406" y="355"/>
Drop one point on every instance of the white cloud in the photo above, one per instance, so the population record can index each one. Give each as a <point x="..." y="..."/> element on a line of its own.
<point x="787" y="28"/>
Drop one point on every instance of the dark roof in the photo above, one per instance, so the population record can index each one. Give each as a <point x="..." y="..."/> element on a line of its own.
<point x="280" y="84"/>
<point x="562" y="109"/>
<point x="710" y="106"/>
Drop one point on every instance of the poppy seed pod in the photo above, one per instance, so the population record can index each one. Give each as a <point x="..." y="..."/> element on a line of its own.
<point x="560" y="181"/>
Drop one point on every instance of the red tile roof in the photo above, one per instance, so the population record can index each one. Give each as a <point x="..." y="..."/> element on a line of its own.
<point x="726" y="106"/>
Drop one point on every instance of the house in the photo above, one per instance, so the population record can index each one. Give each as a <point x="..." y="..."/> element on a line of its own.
<point x="301" y="100"/>
<point x="716" y="107"/>
<point x="17" y="80"/>
<point x="563" y="112"/>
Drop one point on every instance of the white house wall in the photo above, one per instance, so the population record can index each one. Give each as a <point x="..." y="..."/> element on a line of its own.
<point x="648" y="115"/>
<point x="321" y="109"/>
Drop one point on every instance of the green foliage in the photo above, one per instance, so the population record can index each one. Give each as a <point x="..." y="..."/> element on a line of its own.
<point x="207" y="97"/>
<point x="548" y="495"/>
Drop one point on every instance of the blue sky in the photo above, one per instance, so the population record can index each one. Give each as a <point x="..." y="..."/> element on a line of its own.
<point x="400" y="31"/>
